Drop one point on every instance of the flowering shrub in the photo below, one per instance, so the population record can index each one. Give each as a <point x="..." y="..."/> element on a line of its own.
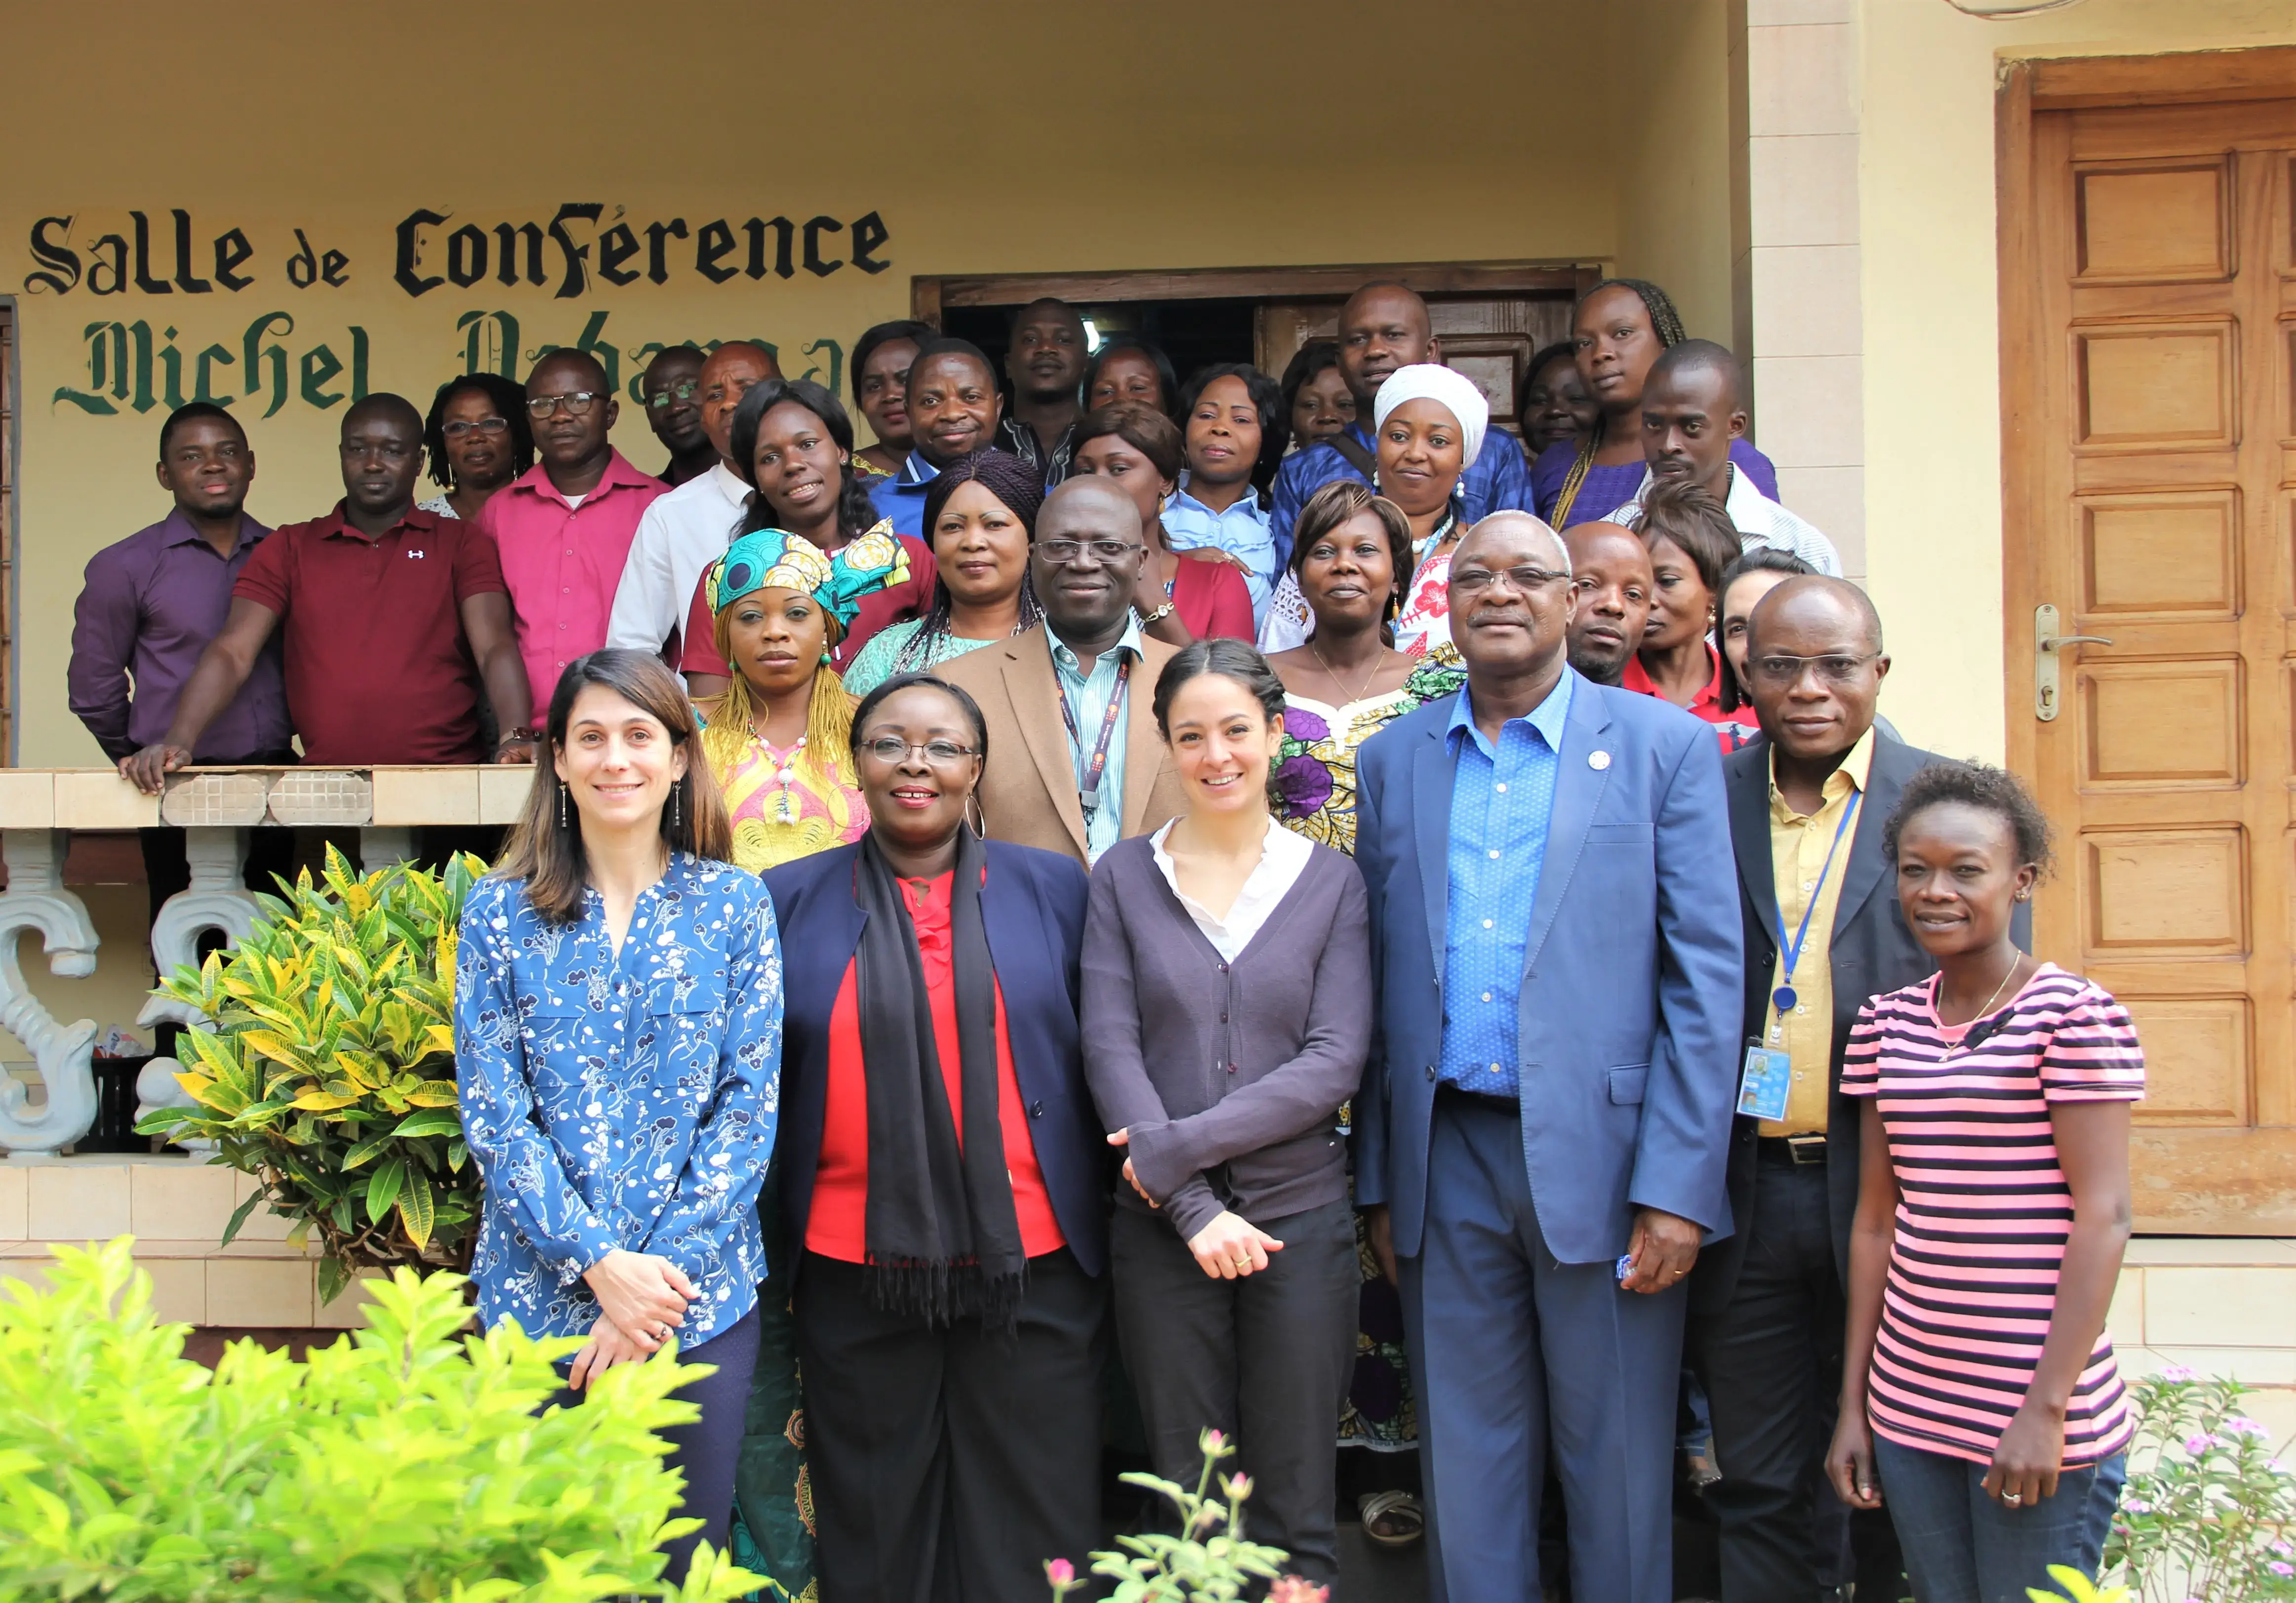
<point x="1208" y="1562"/>
<point x="2207" y="1513"/>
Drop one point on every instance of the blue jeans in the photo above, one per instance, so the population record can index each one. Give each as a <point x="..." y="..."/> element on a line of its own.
<point x="1964" y="1547"/>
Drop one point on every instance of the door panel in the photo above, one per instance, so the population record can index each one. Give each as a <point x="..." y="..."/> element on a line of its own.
<point x="2159" y="512"/>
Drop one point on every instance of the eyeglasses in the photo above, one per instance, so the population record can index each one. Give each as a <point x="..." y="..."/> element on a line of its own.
<point x="890" y="748"/>
<point x="1473" y="582"/>
<point x="461" y="429"/>
<point x="684" y="391"/>
<point x="1060" y="553"/>
<point x="577" y="404"/>
<point x="1833" y="670"/>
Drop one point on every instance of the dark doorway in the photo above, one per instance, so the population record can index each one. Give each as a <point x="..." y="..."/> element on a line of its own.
<point x="1195" y="333"/>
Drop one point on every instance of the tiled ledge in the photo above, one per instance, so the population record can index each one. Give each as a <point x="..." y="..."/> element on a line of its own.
<point x="241" y="798"/>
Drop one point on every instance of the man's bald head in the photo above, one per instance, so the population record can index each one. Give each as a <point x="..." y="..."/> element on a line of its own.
<point x="576" y="368"/>
<point x="1086" y="593"/>
<point x="1507" y="527"/>
<point x="1706" y="359"/>
<point x="397" y="408"/>
<point x="1088" y="502"/>
<point x="1817" y="599"/>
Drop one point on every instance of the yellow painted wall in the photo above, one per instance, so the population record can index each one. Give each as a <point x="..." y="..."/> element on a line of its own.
<point x="1932" y="326"/>
<point x="1013" y="136"/>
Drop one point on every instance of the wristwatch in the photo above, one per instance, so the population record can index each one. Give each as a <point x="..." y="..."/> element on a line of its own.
<point x="519" y="737"/>
<point x="1151" y="620"/>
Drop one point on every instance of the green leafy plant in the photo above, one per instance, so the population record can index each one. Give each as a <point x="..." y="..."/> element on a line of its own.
<point x="1209" y="1561"/>
<point x="330" y="1072"/>
<point x="2209" y="1512"/>
<point x="407" y="1462"/>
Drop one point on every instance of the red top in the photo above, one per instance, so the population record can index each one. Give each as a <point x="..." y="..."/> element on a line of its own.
<point x="1736" y="729"/>
<point x="376" y="666"/>
<point x="838" y="1225"/>
<point x="879" y="610"/>
<point x="1212" y="599"/>
<point x="562" y="562"/>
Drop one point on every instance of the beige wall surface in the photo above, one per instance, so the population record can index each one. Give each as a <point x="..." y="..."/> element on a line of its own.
<point x="1932" y="325"/>
<point x="1017" y="135"/>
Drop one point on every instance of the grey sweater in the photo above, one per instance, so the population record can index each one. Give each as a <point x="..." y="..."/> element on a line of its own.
<point x="1229" y="1076"/>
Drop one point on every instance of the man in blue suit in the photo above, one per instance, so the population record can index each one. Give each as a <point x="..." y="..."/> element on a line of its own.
<point x="1551" y="1087"/>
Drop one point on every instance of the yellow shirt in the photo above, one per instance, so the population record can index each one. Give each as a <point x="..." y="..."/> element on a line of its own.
<point x="1798" y="849"/>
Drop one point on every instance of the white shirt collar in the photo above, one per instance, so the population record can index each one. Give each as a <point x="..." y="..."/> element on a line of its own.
<point x="1283" y="859"/>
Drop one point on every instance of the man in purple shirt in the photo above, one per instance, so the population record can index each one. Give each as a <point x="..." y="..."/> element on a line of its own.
<point x="150" y="607"/>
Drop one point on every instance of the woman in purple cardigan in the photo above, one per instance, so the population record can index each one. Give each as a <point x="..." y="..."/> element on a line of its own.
<point x="1227" y="1010"/>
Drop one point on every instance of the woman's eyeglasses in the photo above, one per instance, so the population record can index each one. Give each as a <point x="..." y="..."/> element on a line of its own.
<point x="462" y="428"/>
<point x="890" y="748"/>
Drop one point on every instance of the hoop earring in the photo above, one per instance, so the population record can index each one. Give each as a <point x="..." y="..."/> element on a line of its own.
<point x="562" y="804"/>
<point x="979" y="829"/>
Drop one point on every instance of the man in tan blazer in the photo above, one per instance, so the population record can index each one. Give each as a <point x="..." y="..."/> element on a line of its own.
<point x="1073" y="765"/>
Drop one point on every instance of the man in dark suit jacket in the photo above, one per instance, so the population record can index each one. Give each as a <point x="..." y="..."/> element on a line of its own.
<point x="1549" y="1083"/>
<point x="1808" y="803"/>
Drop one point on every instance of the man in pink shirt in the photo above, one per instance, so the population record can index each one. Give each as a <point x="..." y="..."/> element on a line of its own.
<point x="564" y="526"/>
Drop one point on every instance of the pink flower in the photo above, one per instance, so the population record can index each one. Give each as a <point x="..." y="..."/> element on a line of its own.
<point x="2281" y="1567"/>
<point x="2198" y="1446"/>
<point x="1291" y="1589"/>
<point x="1237" y="1486"/>
<point x="1060" y="1572"/>
<point x="2178" y="1375"/>
<point x="1212" y="1440"/>
<point x="2239" y="1425"/>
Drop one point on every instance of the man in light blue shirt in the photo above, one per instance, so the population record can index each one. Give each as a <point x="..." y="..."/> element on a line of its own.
<point x="1098" y="722"/>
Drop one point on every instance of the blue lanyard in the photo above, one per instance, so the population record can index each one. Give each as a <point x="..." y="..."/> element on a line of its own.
<point x="1784" y="997"/>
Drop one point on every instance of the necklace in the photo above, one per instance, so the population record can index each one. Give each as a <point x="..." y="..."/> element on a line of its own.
<point x="1335" y="678"/>
<point x="785" y="803"/>
<point x="2013" y="964"/>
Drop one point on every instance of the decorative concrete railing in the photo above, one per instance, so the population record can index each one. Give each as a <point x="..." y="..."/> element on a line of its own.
<point x="40" y="808"/>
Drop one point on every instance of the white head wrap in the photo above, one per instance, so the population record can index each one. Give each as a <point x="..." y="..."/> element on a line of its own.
<point x="1445" y="386"/>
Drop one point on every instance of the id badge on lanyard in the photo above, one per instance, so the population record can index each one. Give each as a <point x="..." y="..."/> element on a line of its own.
<point x="1767" y="1079"/>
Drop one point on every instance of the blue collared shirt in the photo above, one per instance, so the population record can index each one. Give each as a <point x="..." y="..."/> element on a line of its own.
<point x="619" y="1099"/>
<point x="1088" y="695"/>
<point x="1502" y="800"/>
<point x="902" y="496"/>
<point x="1242" y="531"/>
<point x="1499" y="481"/>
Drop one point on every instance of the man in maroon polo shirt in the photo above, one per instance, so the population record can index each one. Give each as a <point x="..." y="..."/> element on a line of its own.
<point x="389" y="616"/>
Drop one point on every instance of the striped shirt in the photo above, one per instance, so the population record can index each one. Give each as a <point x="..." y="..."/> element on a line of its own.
<point x="1984" y="1210"/>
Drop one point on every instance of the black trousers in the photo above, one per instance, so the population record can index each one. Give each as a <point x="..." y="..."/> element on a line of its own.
<point x="948" y="1465"/>
<point x="1771" y="1362"/>
<point x="1266" y="1359"/>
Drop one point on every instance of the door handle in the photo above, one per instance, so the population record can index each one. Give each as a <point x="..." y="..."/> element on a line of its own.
<point x="2047" y="648"/>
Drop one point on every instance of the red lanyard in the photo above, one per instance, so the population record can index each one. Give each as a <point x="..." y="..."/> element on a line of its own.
<point x="1088" y="793"/>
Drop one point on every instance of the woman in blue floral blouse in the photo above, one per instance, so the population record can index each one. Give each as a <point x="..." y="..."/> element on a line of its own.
<point x="618" y="1022"/>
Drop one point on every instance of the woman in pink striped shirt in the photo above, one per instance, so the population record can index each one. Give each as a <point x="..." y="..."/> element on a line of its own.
<point x="1980" y="1394"/>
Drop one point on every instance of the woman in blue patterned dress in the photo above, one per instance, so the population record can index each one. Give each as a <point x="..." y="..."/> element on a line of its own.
<point x="617" y="1021"/>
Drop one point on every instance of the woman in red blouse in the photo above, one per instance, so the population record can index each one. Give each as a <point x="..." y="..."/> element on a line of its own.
<point x="1692" y="541"/>
<point x="1189" y="594"/>
<point x="943" y="1168"/>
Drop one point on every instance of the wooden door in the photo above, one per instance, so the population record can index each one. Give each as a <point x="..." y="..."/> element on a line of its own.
<point x="1490" y="339"/>
<point x="2152" y="502"/>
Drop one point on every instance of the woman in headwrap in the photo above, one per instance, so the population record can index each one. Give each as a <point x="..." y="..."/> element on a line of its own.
<point x="979" y="515"/>
<point x="1428" y="428"/>
<point x="943" y="1171"/>
<point x="793" y="442"/>
<point x="1620" y="327"/>
<point x="777" y="737"/>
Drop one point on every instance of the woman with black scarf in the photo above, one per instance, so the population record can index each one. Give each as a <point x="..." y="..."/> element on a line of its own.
<point x="944" y="1169"/>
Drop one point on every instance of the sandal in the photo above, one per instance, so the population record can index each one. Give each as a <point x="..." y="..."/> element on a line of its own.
<point x="1393" y="1519"/>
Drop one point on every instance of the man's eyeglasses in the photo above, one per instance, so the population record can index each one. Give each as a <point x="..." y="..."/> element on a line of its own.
<point x="1060" y="553"/>
<point x="462" y="428"/>
<point x="890" y="749"/>
<point x="1833" y="670"/>
<point x="684" y="391"/>
<point x="1473" y="580"/>
<point x="577" y="404"/>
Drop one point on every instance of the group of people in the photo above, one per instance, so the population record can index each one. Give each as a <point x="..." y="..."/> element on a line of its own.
<point x="1106" y="876"/>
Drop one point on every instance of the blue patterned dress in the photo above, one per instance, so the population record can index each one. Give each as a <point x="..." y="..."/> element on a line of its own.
<point x="620" y="1100"/>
